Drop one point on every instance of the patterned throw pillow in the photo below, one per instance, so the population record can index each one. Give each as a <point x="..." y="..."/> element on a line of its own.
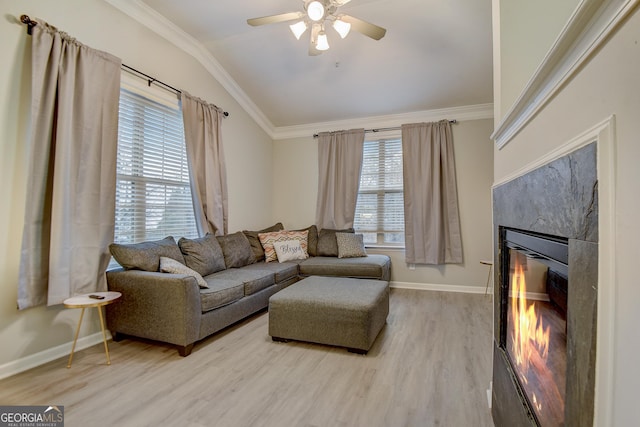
<point x="289" y="250"/>
<point x="256" y="246"/>
<point x="350" y="245"/>
<point x="312" y="240"/>
<point x="169" y="265"/>
<point x="268" y="239"/>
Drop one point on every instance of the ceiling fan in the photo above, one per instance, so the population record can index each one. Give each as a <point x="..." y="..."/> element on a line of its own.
<point x="316" y="14"/>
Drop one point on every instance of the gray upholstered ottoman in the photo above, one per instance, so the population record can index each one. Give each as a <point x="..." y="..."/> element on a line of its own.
<point x="330" y="310"/>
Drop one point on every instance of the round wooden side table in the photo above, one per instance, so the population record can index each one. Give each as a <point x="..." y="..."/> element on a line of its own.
<point x="94" y="299"/>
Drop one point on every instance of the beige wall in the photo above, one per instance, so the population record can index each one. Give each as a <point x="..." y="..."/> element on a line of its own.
<point x="607" y="85"/>
<point x="296" y="187"/>
<point x="528" y="31"/>
<point x="99" y="25"/>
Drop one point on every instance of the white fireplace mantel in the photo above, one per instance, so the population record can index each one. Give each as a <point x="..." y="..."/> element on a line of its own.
<point x="587" y="29"/>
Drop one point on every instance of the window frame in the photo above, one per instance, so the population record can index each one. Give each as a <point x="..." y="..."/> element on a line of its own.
<point x="393" y="135"/>
<point x="140" y="199"/>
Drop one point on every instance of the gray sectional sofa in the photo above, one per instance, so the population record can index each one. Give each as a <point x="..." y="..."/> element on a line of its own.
<point x="177" y="308"/>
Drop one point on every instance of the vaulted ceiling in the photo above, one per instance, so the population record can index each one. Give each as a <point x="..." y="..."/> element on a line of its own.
<point x="436" y="54"/>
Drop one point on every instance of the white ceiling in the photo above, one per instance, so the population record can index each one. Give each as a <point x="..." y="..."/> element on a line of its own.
<point x="437" y="54"/>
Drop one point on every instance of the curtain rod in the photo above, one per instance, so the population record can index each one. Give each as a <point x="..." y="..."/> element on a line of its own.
<point x="151" y="80"/>
<point x="453" y="122"/>
<point x="30" y="24"/>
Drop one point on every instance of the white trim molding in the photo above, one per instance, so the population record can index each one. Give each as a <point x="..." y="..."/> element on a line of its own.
<point x="587" y="29"/>
<point x="585" y="138"/>
<point x="470" y="112"/>
<point x="441" y="288"/>
<point x="25" y="363"/>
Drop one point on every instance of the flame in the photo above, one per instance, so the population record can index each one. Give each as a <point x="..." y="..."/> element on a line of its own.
<point x="530" y="335"/>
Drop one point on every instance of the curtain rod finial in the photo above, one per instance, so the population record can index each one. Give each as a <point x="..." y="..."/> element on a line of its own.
<point x="28" y="22"/>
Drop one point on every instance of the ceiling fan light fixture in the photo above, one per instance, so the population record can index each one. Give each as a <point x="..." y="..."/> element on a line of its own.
<point x="315" y="11"/>
<point x="298" y="29"/>
<point x="322" y="43"/>
<point x="342" y="27"/>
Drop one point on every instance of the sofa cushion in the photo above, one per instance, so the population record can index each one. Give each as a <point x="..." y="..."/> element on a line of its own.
<point x="252" y="280"/>
<point x="170" y="265"/>
<point x="220" y="292"/>
<point x="289" y="250"/>
<point x="203" y="255"/>
<point x="146" y="255"/>
<point x="236" y="250"/>
<point x="254" y="241"/>
<point x="373" y="266"/>
<point x="282" y="271"/>
<point x="350" y="245"/>
<point x="312" y="240"/>
<point x="327" y="243"/>
<point x="268" y="239"/>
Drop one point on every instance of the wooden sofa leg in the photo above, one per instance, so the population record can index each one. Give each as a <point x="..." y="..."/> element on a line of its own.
<point x="117" y="336"/>
<point x="185" y="350"/>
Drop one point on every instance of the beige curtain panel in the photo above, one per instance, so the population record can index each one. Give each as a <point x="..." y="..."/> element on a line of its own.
<point x="207" y="170"/>
<point x="339" y="165"/>
<point x="431" y="216"/>
<point x="70" y="206"/>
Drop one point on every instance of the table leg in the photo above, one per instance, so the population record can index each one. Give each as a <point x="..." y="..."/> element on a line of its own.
<point x="73" y="347"/>
<point x="486" y="289"/>
<point x="104" y="335"/>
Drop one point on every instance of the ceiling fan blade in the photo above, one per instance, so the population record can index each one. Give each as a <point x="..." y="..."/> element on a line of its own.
<point x="272" y="19"/>
<point x="364" y="27"/>
<point x="340" y="2"/>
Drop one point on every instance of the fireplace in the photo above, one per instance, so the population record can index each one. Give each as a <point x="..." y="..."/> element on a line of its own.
<point x="545" y="294"/>
<point x="533" y="309"/>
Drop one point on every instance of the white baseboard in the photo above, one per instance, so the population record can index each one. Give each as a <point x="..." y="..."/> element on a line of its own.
<point x="45" y="356"/>
<point x="440" y="288"/>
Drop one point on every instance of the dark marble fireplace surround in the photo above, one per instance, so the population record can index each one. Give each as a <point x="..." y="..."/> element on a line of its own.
<point x="560" y="199"/>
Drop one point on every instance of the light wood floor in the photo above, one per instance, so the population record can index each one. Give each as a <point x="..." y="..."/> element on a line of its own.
<point x="430" y="366"/>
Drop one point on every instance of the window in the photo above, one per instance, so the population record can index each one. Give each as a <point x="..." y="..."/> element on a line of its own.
<point x="380" y="206"/>
<point x="153" y="197"/>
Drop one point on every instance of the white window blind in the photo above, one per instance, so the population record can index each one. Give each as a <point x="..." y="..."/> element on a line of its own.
<point x="380" y="206"/>
<point x="153" y="197"/>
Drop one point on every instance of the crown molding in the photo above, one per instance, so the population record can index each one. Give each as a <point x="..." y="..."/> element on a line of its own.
<point x="470" y="112"/>
<point x="151" y="19"/>
<point x="588" y="28"/>
<point x="145" y="15"/>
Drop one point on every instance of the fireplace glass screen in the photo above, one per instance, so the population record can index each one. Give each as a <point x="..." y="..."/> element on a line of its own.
<point x="534" y="322"/>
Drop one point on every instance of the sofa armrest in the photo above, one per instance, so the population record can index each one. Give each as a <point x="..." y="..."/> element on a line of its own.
<point x="158" y="306"/>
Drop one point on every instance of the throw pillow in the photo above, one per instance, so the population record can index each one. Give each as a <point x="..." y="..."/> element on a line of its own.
<point x="146" y="255"/>
<point x="268" y="239"/>
<point x="170" y="265"/>
<point x="236" y="250"/>
<point x="203" y="255"/>
<point x="312" y="240"/>
<point x="289" y="250"/>
<point x="327" y="244"/>
<point x="254" y="241"/>
<point x="350" y="245"/>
